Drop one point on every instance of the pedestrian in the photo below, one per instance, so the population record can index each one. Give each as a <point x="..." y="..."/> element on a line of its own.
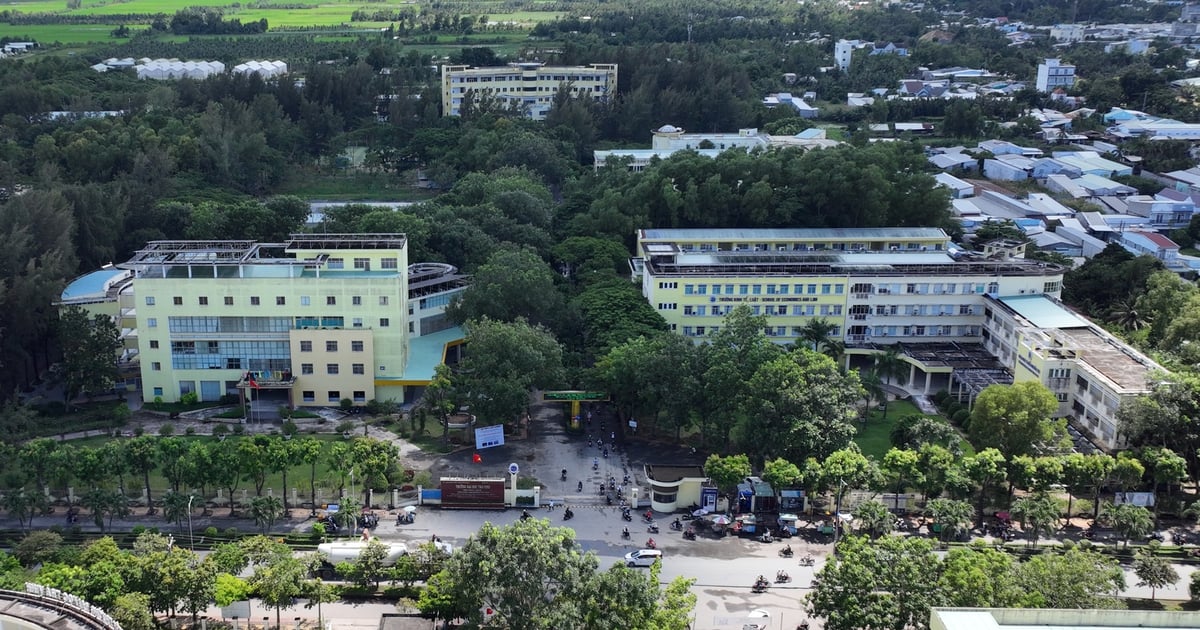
<point x="614" y="436"/>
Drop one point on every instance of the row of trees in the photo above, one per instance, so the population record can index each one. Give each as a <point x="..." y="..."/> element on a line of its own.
<point x="108" y="474"/>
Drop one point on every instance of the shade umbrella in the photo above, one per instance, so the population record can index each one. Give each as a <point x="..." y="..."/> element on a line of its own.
<point x="700" y="512"/>
<point x="410" y="509"/>
<point x="720" y="519"/>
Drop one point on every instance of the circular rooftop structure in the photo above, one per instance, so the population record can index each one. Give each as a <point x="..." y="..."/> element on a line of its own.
<point x="668" y="129"/>
<point x="44" y="608"/>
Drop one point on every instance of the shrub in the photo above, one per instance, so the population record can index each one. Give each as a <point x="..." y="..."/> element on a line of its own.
<point x="960" y="417"/>
<point x="38" y="547"/>
<point x="346" y="404"/>
<point x="210" y="531"/>
<point x="189" y="398"/>
<point x="137" y="530"/>
<point x="1068" y="544"/>
<point x="140" y="431"/>
<point x="167" y="430"/>
<point x="318" y="530"/>
<point x="231" y="532"/>
<point x="423" y="479"/>
<point x="290" y="428"/>
<point x="158" y="400"/>
<point x="239" y="429"/>
<point x="190" y="431"/>
<point x="220" y="429"/>
<point x="345" y="426"/>
<point x="1194" y="586"/>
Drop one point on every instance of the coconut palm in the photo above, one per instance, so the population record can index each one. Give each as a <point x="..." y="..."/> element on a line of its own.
<point x="1037" y="513"/>
<point x="1126" y="315"/>
<point x="817" y="332"/>
<point x="873" y="518"/>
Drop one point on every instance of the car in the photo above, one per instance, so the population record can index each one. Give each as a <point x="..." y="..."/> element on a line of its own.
<point x="642" y="557"/>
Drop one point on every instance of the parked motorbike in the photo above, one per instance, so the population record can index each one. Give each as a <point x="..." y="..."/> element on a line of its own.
<point x="786" y="552"/>
<point x="782" y="577"/>
<point x="626" y="516"/>
<point x="608" y="499"/>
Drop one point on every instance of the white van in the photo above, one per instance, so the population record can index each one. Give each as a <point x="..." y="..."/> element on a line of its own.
<point x="642" y="557"/>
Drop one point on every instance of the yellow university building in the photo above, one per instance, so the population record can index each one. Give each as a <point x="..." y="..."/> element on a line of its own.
<point x="312" y="321"/>
<point x="529" y="86"/>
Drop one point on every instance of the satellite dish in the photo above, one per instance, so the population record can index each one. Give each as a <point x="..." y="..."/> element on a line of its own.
<point x="513" y="469"/>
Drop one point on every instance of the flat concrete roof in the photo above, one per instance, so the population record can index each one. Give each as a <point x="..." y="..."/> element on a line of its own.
<point x="748" y="234"/>
<point x="1059" y="619"/>
<point x="668" y="474"/>
<point x="1043" y="312"/>
<point x="1107" y="358"/>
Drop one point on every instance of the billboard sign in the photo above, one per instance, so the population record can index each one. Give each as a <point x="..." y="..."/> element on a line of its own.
<point x="569" y="395"/>
<point x="472" y="493"/>
<point x="487" y="437"/>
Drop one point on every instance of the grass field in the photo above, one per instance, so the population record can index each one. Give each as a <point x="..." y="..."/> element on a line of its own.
<point x="875" y="437"/>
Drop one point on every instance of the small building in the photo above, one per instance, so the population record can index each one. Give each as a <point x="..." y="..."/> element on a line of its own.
<point x="1003" y="249"/>
<point x="1052" y="619"/>
<point x="1150" y="244"/>
<point x="673" y="487"/>
<point x="786" y="99"/>
<point x="756" y="495"/>
<point x="1091" y="162"/>
<point x="1053" y="74"/>
<point x="1003" y="147"/>
<point x="956" y="162"/>
<point x="1011" y="168"/>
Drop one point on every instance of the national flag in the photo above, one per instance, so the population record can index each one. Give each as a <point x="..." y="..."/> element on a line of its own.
<point x="250" y="378"/>
<point x="476" y="458"/>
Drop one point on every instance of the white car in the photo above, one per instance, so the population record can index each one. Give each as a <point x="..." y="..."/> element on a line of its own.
<point x="642" y="557"/>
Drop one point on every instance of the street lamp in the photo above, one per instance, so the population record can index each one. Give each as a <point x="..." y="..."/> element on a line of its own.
<point x="191" y="540"/>
<point x="837" y="515"/>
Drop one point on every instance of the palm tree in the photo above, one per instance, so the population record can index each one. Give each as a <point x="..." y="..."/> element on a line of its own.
<point x="873" y="517"/>
<point x="176" y="506"/>
<point x="1126" y="315"/>
<point x="891" y="366"/>
<point x="266" y="511"/>
<point x="817" y="332"/>
<point x="873" y="385"/>
<point x="1037" y="514"/>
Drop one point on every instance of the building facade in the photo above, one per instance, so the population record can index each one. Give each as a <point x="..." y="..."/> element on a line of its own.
<point x="310" y="322"/>
<point x="528" y="86"/>
<point x="1089" y="370"/>
<point x="1053" y="74"/>
<point x="876" y="285"/>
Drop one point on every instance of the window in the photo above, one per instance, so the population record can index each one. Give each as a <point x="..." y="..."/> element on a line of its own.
<point x="356" y="300"/>
<point x="254" y="300"/>
<point x="384" y="322"/>
<point x="668" y="306"/>
<point x="331" y="369"/>
<point x="825" y="289"/>
<point x="151" y="322"/>
<point x="306" y="368"/>
<point x="158" y="391"/>
<point x="1051" y="287"/>
<point x="993" y="287"/>
<point x="203" y="299"/>
<point x="812" y="289"/>
<point x="362" y="263"/>
<point x="280" y="300"/>
<point x="309" y="395"/>
<point x="330" y="346"/>
<point x="149" y="300"/>
<point x="305" y="346"/>
<point x="336" y="263"/>
<point x="388" y="263"/>
<point x="358" y="368"/>
<point x="356" y="322"/>
<point x="330" y="300"/>
<point x="743" y="289"/>
<point x="356" y="346"/>
<point x="156" y="366"/>
<point x="228" y="300"/>
<point x="756" y="289"/>
<point x="305" y="300"/>
<point x="178" y="301"/>
<point x="360" y="396"/>
<point x="333" y="395"/>
<point x="688" y="289"/>
<point x="383" y="300"/>
<point x="153" y="344"/>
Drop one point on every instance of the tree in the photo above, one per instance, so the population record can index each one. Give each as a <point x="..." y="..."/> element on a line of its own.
<point x="266" y="511"/>
<point x="978" y="576"/>
<point x="1129" y="521"/>
<point x="936" y="462"/>
<point x="506" y="361"/>
<point x="986" y="470"/>
<point x="177" y="507"/>
<point x="1015" y="418"/>
<point x="1154" y="571"/>
<point x="727" y="472"/>
<point x="1037" y="514"/>
<point x="817" y="332"/>
<point x="738" y="348"/>
<point x="780" y="473"/>
<point x="441" y="398"/>
<point x="368" y="568"/>
<point x="901" y="466"/>
<point x="278" y="577"/>
<point x="1072" y="579"/>
<point x="798" y="405"/>
<point x="514" y="284"/>
<point x="141" y="454"/>
<point x="873" y="518"/>
<point x="89" y="346"/>
<point x="954" y="516"/>
<point x="1167" y="417"/>
<point x="309" y="451"/>
<point x="282" y="455"/>
<point x="132" y="611"/>
<point x="886" y="583"/>
<point x="532" y="575"/>
<point x="845" y="470"/>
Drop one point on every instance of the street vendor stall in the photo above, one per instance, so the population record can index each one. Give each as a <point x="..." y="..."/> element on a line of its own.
<point x="788" y="523"/>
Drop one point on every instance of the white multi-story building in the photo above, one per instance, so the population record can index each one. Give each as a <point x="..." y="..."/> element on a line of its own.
<point x="529" y="86"/>
<point x="1089" y="370"/>
<point x="1053" y="74"/>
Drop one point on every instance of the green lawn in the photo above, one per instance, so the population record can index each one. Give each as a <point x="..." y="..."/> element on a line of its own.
<point x="874" y="437"/>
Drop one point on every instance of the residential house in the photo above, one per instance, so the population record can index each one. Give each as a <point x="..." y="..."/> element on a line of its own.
<point x="858" y="99"/>
<point x="1091" y="162"/>
<point x="956" y="162"/>
<point x="843" y="51"/>
<point x="1013" y="168"/>
<point x="1098" y="186"/>
<point x="1003" y="147"/>
<point x="1045" y="167"/>
<point x="1164" y="214"/>
<point x="923" y="89"/>
<point x="958" y="188"/>
<point x="785" y="99"/>
<point x="1152" y="244"/>
<point x="1067" y="33"/>
<point x="1052" y="74"/>
<point x="1066" y="185"/>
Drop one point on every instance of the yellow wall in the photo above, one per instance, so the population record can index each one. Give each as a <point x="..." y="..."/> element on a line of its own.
<point x="319" y="355"/>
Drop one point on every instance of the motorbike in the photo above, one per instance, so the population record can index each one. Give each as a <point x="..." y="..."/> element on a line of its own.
<point x="650" y="544"/>
<point x="625" y="533"/>
<point x="525" y="516"/>
<point x="568" y="514"/>
<point x="766" y="537"/>
<point x="689" y="534"/>
<point x="605" y="453"/>
<point x="760" y="585"/>
<point x="786" y="552"/>
<point x="782" y="577"/>
<point x="647" y="519"/>
<point x="653" y="529"/>
<point x="625" y="516"/>
<point x="564" y="474"/>
<point x="807" y="561"/>
<point x="579" y="488"/>
<point x="676" y="525"/>
<point x="595" y="464"/>
<point x="608" y="499"/>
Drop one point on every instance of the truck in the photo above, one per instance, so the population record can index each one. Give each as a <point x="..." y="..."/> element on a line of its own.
<point x="348" y="551"/>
